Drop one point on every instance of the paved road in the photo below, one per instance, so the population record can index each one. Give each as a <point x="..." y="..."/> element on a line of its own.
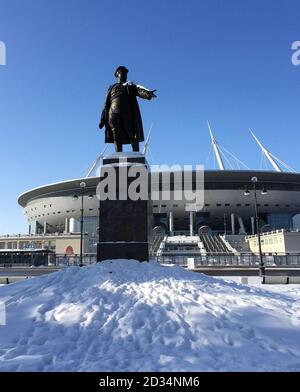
<point x="15" y="274"/>
<point x="25" y="271"/>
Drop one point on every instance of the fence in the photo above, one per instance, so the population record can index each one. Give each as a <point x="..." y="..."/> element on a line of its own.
<point x="27" y="258"/>
<point x="242" y="260"/>
<point x="49" y="259"/>
<point x="42" y="258"/>
<point x="69" y="260"/>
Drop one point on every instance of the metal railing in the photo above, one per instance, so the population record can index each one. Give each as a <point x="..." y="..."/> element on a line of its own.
<point x="48" y="259"/>
<point x="157" y="239"/>
<point x="19" y="237"/>
<point x="70" y="260"/>
<point x="241" y="260"/>
<point x="43" y="259"/>
<point x="266" y="233"/>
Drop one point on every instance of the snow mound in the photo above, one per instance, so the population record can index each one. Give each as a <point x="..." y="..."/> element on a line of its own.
<point x="123" y="315"/>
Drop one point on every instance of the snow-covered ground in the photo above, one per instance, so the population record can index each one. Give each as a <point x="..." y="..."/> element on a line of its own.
<point x="129" y="316"/>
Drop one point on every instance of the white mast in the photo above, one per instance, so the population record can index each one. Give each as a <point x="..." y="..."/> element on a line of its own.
<point x="146" y="145"/>
<point x="216" y="149"/>
<point x="97" y="160"/>
<point x="267" y="153"/>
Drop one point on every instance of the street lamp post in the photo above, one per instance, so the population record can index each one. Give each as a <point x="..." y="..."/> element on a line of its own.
<point x="261" y="261"/>
<point x="99" y="236"/>
<point x="82" y="186"/>
<point x="225" y="228"/>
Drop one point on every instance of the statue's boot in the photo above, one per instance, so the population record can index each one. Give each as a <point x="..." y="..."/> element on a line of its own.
<point x="117" y="143"/>
<point x="135" y="146"/>
<point x="118" y="146"/>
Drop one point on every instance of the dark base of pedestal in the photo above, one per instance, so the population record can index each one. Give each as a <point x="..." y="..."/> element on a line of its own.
<point x="123" y="250"/>
<point x="126" y="219"/>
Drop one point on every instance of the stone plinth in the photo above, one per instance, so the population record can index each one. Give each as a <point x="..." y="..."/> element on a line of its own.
<point x="125" y="225"/>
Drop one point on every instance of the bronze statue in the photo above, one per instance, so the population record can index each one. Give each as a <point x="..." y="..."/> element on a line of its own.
<point x="121" y="114"/>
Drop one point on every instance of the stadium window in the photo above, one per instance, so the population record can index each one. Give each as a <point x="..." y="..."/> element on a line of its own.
<point x="266" y="205"/>
<point x="164" y="205"/>
<point x="247" y="205"/>
<point x="287" y="205"/>
<point x="67" y="211"/>
<point x="238" y="205"/>
<point x="218" y="205"/>
<point x="227" y="204"/>
<point x="207" y="205"/>
<point x="90" y="209"/>
<point x="175" y="205"/>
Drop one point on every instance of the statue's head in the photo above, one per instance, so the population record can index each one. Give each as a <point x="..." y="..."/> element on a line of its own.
<point x="121" y="73"/>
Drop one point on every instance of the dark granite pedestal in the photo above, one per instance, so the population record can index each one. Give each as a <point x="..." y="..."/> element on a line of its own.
<point x="125" y="225"/>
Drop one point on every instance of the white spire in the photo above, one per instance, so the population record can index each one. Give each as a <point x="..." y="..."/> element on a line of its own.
<point x="96" y="161"/>
<point x="147" y="142"/>
<point x="267" y="153"/>
<point x="216" y="149"/>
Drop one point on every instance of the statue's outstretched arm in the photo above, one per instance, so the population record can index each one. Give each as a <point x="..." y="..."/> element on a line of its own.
<point x="143" y="92"/>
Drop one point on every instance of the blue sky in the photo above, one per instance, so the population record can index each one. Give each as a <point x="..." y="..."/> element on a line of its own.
<point x="228" y="62"/>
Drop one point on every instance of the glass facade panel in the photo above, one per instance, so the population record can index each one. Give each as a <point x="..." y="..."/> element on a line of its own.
<point x="280" y="221"/>
<point x="90" y="225"/>
<point x="296" y="221"/>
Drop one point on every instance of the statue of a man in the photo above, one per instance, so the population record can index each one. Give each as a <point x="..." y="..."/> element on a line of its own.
<point x="121" y="114"/>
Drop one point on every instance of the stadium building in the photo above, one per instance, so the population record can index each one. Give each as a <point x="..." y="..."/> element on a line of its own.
<point x="53" y="211"/>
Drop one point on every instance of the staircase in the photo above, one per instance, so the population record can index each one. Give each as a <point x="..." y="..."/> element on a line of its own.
<point x="156" y="243"/>
<point x="237" y="243"/>
<point x="181" y="245"/>
<point x="214" y="244"/>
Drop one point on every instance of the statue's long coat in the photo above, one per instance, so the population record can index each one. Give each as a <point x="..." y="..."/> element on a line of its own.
<point x="137" y="133"/>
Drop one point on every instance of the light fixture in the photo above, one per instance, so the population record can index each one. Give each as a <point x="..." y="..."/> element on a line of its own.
<point x="90" y="196"/>
<point x="75" y="197"/>
<point x="264" y="191"/>
<point x="246" y="192"/>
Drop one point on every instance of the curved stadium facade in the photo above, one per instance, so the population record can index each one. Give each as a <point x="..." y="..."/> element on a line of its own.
<point x="53" y="211"/>
<point x="53" y="208"/>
